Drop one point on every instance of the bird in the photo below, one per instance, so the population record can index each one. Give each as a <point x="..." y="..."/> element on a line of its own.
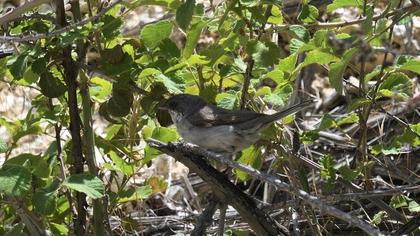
<point x="217" y="129"/>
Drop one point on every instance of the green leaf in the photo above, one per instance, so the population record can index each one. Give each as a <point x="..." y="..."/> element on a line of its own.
<point x="319" y="57"/>
<point x="348" y="119"/>
<point x="308" y="13"/>
<point x="327" y="167"/>
<point x="3" y="146"/>
<point x="378" y="217"/>
<point x="15" y="180"/>
<point x="399" y="201"/>
<point x="17" y="66"/>
<point x="396" y="84"/>
<point x="299" y="32"/>
<point x="192" y="38"/>
<point x="153" y="34"/>
<point x="45" y="202"/>
<point x="58" y="229"/>
<point x="367" y="24"/>
<point x="226" y="100"/>
<point x="276" y="16"/>
<point x="343" y="3"/>
<point x="100" y="89"/>
<point x="288" y="64"/>
<point x="51" y="86"/>
<point x="124" y="167"/>
<point x="169" y="48"/>
<point x="358" y="102"/>
<point x="264" y="53"/>
<point x="279" y="96"/>
<point x="164" y="134"/>
<point x="413" y="206"/>
<point x="111" y="26"/>
<point x="184" y="14"/>
<point x="327" y="122"/>
<point x="88" y="184"/>
<point x="337" y="69"/>
<point x="134" y="194"/>
<point x="250" y="156"/>
<point x="412" y="65"/>
<point x="35" y="163"/>
<point x="249" y="3"/>
<point x="348" y="174"/>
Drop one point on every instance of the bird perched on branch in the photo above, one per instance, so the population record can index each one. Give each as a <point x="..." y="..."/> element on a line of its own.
<point x="218" y="129"/>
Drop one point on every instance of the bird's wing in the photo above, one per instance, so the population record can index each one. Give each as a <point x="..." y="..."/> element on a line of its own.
<point x="209" y="116"/>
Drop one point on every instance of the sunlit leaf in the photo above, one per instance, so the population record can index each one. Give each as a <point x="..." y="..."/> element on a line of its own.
<point x="88" y="184"/>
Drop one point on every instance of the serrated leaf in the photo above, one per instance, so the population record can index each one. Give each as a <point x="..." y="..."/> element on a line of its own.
<point x="288" y="64"/>
<point x="367" y="23"/>
<point x="192" y="38"/>
<point x="413" y="206"/>
<point x="88" y="184"/>
<point x="319" y="57"/>
<point x="58" y="229"/>
<point x="348" y="119"/>
<point x="45" y="202"/>
<point x="396" y="84"/>
<point x="134" y="194"/>
<point x="124" y="167"/>
<point x="264" y="53"/>
<point x="164" y="134"/>
<point x="111" y="26"/>
<point x="17" y="66"/>
<point x="358" y="102"/>
<point x="337" y="69"/>
<point x="300" y="32"/>
<point x="51" y="86"/>
<point x="348" y="174"/>
<point x="412" y="65"/>
<point x="276" y="16"/>
<point x="226" y="100"/>
<point x="15" y="180"/>
<point x="250" y="156"/>
<point x="35" y="164"/>
<point x="184" y="14"/>
<point x="100" y="89"/>
<point x="343" y="3"/>
<point x="249" y="3"/>
<point x="378" y="217"/>
<point x="153" y="34"/>
<point x="308" y="14"/>
<point x="3" y="146"/>
<point x="327" y="122"/>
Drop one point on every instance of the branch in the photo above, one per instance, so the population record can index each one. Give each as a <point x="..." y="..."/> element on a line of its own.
<point x="187" y="153"/>
<point x="15" y="13"/>
<point x="326" y="25"/>
<point x="29" y="38"/>
<point x="190" y="156"/>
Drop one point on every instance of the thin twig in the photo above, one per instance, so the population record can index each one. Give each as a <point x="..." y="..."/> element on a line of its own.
<point x="29" y="38"/>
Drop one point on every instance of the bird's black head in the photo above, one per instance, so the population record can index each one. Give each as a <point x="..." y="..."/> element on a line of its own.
<point x="182" y="103"/>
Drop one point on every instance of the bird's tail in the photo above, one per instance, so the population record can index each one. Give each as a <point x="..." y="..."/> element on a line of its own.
<point x="290" y="110"/>
<point x="262" y="122"/>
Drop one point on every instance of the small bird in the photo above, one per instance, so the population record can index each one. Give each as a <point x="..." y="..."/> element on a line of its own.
<point x="217" y="129"/>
